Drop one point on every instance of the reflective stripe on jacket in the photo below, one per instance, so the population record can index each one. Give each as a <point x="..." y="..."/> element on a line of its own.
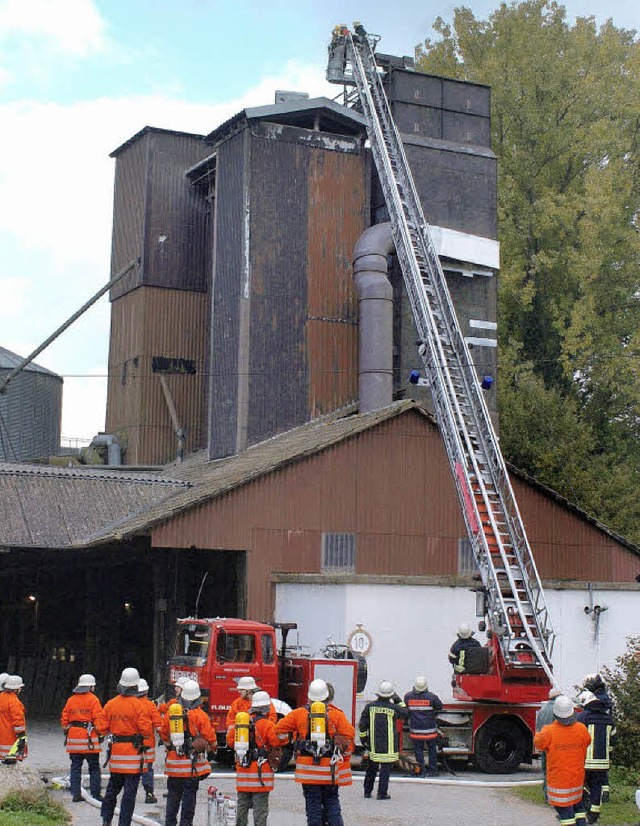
<point x="600" y="726"/>
<point x="323" y="771"/>
<point x="254" y="778"/>
<point x="186" y="765"/>
<point x="12" y="721"/>
<point x="422" y="706"/>
<point x="378" y="728"/>
<point x="566" y="749"/>
<point x="82" y="707"/>
<point x="124" y="716"/>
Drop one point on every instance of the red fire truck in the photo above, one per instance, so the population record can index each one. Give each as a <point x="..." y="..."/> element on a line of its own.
<point x="217" y="652"/>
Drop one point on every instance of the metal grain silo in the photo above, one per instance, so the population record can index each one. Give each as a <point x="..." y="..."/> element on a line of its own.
<point x="30" y="411"/>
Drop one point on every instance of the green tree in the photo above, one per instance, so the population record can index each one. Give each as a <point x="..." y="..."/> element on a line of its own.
<point x="623" y="684"/>
<point x="566" y="126"/>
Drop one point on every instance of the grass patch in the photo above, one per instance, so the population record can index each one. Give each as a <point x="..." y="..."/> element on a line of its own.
<point x="32" y="809"/>
<point x="619" y="811"/>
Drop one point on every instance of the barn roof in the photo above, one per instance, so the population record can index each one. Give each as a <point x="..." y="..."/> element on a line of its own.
<point x="42" y="506"/>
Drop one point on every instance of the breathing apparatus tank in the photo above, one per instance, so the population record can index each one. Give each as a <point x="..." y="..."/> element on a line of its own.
<point x="318" y="724"/>
<point x="176" y="725"/>
<point x="241" y="746"/>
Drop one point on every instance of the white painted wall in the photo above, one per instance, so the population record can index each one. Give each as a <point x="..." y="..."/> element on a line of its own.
<point x="413" y="627"/>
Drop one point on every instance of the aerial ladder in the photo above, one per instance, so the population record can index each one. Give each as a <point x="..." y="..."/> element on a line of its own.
<point x="520" y="631"/>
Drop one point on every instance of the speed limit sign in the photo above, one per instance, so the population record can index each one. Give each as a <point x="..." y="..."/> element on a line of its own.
<point x="359" y="641"/>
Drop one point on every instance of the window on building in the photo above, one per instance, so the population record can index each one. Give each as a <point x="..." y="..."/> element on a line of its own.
<point x="267" y="649"/>
<point x="466" y="561"/>
<point x="339" y="552"/>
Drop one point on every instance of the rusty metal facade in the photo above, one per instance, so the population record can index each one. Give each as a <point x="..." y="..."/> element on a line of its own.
<point x="146" y="324"/>
<point x="160" y="310"/>
<point x="290" y="204"/>
<point x="390" y="486"/>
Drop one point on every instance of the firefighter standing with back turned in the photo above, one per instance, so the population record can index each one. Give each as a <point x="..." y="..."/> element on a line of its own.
<point x="188" y="735"/>
<point x="565" y="743"/>
<point x="599" y="723"/>
<point x="125" y="719"/>
<point x="380" y="736"/>
<point x="78" y="721"/>
<point x="324" y="742"/>
<point x="13" y="729"/>
<point x="150" y="742"/>
<point x="423" y="706"/>
<point x="257" y="747"/>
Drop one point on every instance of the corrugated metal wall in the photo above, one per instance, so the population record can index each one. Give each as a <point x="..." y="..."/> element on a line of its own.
<point x="30" y="416"/>
<point x="160" y="309"/>
<point x="392" y="487"/>
<point x="290" y="205"/>
<point x="147" y="323"/>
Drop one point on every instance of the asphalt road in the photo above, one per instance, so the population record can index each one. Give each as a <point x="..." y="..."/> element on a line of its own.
<point x="469" y="797"/>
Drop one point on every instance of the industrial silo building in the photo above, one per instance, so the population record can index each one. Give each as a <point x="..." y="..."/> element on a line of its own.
<point x="30" y="411"/>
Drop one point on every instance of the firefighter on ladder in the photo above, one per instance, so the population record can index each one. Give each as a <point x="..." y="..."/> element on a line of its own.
<point x="127" y="723"/>
<point x="13" y="729"/>
<point x="324" y="742"/>
<point x="188" y="735"/>
<point x="257" y="750"/>
<point x="78" y="719"/>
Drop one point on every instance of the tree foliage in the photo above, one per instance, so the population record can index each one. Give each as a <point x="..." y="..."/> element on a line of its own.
<point x="565" y="129"/>
<point x="623" y="684"/>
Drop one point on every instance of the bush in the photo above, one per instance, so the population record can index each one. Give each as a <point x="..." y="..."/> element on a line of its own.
<point x="623" y="685"/>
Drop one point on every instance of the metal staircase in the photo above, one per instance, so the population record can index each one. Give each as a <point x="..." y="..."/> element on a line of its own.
<point x="516" y="605"/>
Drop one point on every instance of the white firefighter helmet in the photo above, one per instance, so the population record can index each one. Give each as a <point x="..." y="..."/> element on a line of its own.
<point x="86" y="682"/>
<point x="190" y="691"/>
<point x="247" y="684"/>
<point x="181" y="681"/>
<point x="464" y="632"/>
<point x="554" y="692"/>
<point x="260" y="700"/>
<point x="385" y="689"/>
<point x="420" y="683"/>
<point x="143" y="686"/>
<point x="318" y="691"/>
<point x="562" y="707"/>
<point x="3" y="678"/>
<point x="585" y="698"/>
<point x="130" y="678"/>
<point x="13" y="682"/>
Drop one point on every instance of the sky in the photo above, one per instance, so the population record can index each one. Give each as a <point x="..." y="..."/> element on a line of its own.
<point x="79" y="77"/>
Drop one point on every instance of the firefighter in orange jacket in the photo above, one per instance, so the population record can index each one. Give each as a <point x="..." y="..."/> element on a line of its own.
<point x="163" y="708"/>
<point x="255" y="752"/>
<point x="13" y="729"/>
<point x="125" y="719"/>
<point x="324" y="746"/>
<point x="565" y="743"/>
<point x="78" y="720"/>
<point x="186" y="762"/>
<point x="149" y="742"/>
<point x="247" y="687"/>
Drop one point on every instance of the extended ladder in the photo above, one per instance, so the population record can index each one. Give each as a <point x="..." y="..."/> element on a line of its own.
<point x="516" y="606"/>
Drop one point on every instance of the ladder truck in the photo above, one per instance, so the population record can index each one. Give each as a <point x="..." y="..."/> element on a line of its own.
<point x="492" y="718"/>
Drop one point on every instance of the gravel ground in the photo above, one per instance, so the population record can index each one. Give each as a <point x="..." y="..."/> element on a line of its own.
<point x="467" y="798"/>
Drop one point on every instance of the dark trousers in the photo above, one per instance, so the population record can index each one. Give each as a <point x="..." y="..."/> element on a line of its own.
<point x="117" y="782"/>
<point x="572" y="814"/>
<point x="322" y="804"/>
<point x="75" y="773"/>
<point x="383" y="780"/>
<point x="147" y="777"/>
<point x="594" y="780"/>
<point x="181" y="794"/>
<point x="432" y="746"/>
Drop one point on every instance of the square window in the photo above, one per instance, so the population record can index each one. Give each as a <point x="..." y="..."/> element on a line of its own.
<point x="466" y="560"/>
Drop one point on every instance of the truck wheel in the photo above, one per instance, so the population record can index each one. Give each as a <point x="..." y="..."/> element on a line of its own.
<point x="500" y="747"/>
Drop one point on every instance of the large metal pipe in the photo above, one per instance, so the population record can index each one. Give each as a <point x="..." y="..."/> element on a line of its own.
<point x="112" y="443"/>
<point x="375" y="310"/>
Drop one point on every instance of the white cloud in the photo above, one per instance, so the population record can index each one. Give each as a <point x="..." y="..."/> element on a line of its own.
<point x="73" y="27"/>
<point x="56" y="197"/>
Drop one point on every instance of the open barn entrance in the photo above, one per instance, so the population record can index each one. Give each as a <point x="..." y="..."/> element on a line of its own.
<point x="63" y="613"/>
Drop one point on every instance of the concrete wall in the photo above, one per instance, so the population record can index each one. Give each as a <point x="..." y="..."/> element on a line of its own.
<point x="413" y="626"/>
